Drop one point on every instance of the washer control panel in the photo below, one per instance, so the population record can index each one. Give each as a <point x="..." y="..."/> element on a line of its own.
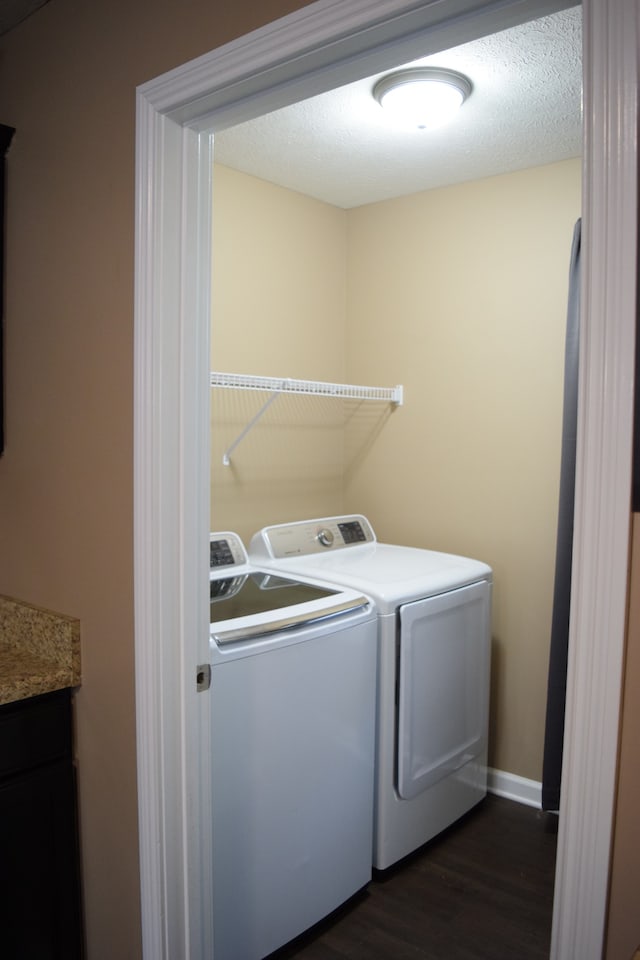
<point x="325" y="537"/>
<point x="352" y="531"/>
<point x="226" y="549"/>
<point x="311" y="536"/>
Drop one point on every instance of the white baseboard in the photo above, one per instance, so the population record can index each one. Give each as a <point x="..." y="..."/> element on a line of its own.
<point x="513" y="787"/>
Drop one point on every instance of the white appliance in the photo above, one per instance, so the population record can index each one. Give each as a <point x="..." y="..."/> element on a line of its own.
<point x="293" y="674"/>
<point x="434" y="633"/>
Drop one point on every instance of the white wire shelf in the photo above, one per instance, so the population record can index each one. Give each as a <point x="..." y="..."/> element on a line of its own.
<point x="315" y="388"/>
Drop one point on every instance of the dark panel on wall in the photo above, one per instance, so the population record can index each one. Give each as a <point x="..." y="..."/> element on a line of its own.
<point x="635" y="487"/>
<point x="6" y="133"/>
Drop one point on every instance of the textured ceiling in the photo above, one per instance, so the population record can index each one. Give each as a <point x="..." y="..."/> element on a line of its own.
<point x="524" y="111"/>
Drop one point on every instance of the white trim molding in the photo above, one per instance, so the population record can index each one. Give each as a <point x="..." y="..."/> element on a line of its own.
<point x="323" y="45"/>
<point x="603" y="482"/>
<point x="513" y="787"/>
<point x="171" y="532"/>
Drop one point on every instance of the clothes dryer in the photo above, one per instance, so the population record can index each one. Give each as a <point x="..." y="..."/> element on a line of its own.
<point x="434" y="642"/>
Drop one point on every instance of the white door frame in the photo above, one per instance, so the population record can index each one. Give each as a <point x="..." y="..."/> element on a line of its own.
<point x="313" y="49"/>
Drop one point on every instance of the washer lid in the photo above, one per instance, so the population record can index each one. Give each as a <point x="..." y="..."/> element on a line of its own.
<point x="246" y="603"/>
<point x="260" y="591"/>
<point x="258" y="604"/>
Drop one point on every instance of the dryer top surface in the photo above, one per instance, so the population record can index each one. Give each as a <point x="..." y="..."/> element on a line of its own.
<point x="390" y="574"/>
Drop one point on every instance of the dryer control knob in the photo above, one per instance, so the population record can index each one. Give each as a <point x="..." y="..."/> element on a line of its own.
<point x="325" y="537"/>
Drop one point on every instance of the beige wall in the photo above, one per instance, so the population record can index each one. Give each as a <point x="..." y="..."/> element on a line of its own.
<point x="623" y="935"/>
<point x="459" y="294"/>
<point x="279" y="302"/>
<point x="67" y="83"/>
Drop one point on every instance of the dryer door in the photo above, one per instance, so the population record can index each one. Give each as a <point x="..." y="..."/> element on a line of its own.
<point x="443" y="677"/>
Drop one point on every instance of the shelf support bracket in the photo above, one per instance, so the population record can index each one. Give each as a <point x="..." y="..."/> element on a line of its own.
<point x="226" y="458"/>
<point x="317" y="388"/>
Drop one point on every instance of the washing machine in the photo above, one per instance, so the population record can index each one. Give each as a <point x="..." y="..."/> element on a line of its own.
<point x="293" y="675"/>
<point x="434" y="648"/>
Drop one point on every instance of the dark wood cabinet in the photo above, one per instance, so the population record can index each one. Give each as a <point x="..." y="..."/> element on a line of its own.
<point x="40" y="912"/>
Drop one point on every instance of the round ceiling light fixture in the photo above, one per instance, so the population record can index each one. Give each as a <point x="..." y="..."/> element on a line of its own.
<point x="423" y="97"/>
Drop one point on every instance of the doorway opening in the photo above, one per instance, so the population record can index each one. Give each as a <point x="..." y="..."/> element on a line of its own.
<point x="350" y="271"/>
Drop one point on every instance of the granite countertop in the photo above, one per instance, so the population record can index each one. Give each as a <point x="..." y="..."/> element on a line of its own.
<point x="39" y="651"/>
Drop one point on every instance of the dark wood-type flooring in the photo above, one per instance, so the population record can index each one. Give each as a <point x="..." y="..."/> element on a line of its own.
<point x="483" y="890"/>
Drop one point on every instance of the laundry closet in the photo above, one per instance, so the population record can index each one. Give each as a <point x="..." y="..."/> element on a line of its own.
<point x="457" y="293"/>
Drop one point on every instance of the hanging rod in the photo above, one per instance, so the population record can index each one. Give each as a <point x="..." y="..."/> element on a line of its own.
<point x="316" y="388"/>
